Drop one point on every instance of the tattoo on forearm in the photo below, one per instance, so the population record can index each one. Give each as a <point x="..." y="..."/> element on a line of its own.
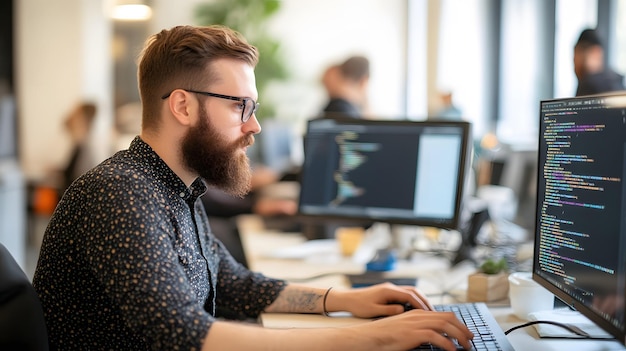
<point x="299" y="300"/>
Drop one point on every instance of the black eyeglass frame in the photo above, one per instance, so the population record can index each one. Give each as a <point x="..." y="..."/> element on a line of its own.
<point x="244" y="116"/>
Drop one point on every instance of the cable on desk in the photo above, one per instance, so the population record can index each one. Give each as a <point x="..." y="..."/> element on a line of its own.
<point x="572" y="328"/>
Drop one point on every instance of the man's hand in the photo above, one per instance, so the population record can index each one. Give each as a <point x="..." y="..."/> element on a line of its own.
<point x="379" y="300"/>
<point x="416" y="327"/>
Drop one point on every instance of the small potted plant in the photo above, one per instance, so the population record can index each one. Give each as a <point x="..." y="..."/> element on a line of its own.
<point x="490" y="283"/>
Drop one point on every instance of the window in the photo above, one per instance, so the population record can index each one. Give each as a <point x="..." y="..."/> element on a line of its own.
<point x="618" y="52"/>
<point x="572" y="16"/>
<point x="525" y="68"/>
<point x="465" y="60"/>
<point x="502" y="57"/>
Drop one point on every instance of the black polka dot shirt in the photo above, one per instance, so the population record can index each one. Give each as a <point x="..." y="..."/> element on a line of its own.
<point x="128" y="262"/>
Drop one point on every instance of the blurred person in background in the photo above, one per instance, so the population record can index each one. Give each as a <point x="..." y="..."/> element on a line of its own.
<point x="78" y="125"/>
<point x="448" y="111"/>
<point x="589" y="65"/>
<point x="346" y="85"/>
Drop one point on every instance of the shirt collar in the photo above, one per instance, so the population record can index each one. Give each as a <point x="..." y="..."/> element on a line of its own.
<point x="141" y="150"/>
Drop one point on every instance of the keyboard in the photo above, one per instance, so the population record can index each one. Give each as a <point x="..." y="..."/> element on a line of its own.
<point x="488" y="336"/>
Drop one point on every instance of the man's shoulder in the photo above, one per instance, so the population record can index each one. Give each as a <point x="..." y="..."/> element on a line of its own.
<point x="340" y="107"/>
<point x="608" y="79"/>
<point x="119" y="174"/>
<point x="601" y="82"/>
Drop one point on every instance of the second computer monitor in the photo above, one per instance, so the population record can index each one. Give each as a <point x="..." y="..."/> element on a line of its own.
<point x="394" y="171"/>
<point x="580" y="231"/>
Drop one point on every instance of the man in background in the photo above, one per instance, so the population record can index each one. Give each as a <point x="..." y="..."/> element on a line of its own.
<point x="593" y="76"/>
<point x="346" y="85"/>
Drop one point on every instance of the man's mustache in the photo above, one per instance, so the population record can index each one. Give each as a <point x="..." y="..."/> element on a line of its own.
<point x="247" y="140"/>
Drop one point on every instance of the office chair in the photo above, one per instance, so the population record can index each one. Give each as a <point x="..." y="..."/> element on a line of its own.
<point x="22" y="324"/>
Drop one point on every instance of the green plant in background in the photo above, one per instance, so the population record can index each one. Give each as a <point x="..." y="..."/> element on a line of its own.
<point x="250" y="17"/>
<point x="492" y="266"/>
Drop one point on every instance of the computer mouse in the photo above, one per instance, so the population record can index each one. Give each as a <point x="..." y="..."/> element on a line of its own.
<point x="407" y="305"/>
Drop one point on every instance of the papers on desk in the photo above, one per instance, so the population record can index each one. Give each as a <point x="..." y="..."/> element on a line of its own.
<point x="322" y="250"/>
<point x="305" y="250"/>
<point x="566" y="316"/>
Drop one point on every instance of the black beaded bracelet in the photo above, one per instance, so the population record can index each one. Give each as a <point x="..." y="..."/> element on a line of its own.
<point x="325" y="312"/>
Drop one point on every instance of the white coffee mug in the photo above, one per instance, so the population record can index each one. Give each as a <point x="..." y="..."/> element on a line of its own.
<point x="527" y="296"/>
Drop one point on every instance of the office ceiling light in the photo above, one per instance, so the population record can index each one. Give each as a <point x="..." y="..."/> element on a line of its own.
<point x="131" y="11"/>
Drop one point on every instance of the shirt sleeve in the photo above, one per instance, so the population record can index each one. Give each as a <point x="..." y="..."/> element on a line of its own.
<point x="242" y="293"/>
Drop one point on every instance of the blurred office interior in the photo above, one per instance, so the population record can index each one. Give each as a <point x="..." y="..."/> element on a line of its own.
<point x="498" y="57"/>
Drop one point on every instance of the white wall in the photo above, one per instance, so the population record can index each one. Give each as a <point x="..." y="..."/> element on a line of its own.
<point x="572" y="17"/>
<point x="62" y="57"/>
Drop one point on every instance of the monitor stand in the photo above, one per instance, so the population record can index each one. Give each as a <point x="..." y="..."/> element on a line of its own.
<point x="469" y="233"/>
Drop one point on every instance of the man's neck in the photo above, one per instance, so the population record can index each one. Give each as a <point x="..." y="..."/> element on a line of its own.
<point x="169" y="151"/>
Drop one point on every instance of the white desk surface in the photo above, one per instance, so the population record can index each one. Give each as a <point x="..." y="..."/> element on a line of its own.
<point x="288" y="256"/>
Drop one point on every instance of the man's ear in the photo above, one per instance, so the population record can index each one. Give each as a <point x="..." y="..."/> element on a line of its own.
<point x="180" y="105"/>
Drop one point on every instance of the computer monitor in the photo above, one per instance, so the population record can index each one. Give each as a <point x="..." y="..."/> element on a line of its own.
<point x="391" y="171"/>
<point x="580" y="229"/>
<point x="276" y="142"/>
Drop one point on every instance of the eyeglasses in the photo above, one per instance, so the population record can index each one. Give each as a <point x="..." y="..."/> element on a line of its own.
<point x="248" y="105"/>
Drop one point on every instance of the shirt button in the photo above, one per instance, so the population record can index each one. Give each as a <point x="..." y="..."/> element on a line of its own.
<point x="182" y="194"/>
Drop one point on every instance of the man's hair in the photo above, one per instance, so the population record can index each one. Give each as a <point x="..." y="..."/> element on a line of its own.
<point x="355" y="68"/>
<point x="180" y="58"/>
<point x="589" y="37"/>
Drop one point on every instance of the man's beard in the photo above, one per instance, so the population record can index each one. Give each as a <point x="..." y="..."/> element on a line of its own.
<point x="221" y="164"/>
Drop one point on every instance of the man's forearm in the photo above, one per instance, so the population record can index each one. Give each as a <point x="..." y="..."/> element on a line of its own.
<point x="298" y="299"/>
<point x="237" y="336"/>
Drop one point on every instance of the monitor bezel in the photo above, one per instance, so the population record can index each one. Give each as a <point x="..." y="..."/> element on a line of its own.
<point x="618" y="333"/>
<point x="465" y="156"/>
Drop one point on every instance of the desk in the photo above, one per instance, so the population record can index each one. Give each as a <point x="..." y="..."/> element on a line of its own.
<point x="325" y="264"/>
